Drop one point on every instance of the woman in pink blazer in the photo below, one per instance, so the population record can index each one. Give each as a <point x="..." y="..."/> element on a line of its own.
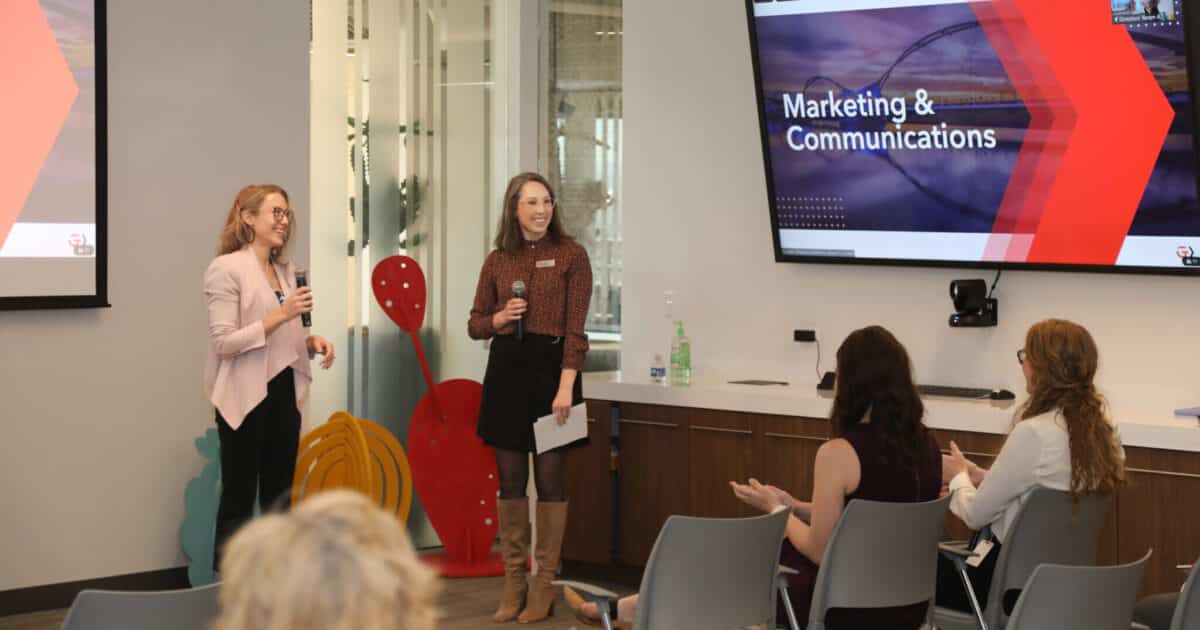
<point x="258" y="369"/>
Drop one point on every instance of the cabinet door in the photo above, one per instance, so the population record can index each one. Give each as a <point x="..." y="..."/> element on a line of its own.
<point x="652" y="472"/>
<point x="789" y="452"/>
<point x="1158" y="509"/>
<point x="589" y="481"/>
<point x="722" y="450"/>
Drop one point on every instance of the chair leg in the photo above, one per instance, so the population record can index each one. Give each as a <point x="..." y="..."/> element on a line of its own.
<point x="787" y="607"/>
<point x="966" y="580"/>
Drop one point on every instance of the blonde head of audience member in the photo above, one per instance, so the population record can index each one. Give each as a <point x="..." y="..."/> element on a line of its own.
<point x="335" y="562"/>
<point x="1060" y="361"/>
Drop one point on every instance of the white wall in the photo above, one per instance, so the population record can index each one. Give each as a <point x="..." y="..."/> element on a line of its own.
<point x="101" y="407"/>
<point x="696" y="222"/>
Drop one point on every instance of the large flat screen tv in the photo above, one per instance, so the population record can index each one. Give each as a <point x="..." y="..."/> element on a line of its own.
<point x="1000" y="134"/>
<point x="53" y="221"/>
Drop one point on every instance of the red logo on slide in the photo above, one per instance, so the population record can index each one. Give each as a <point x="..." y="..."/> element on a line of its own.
<point x="79" y="245"/>
<point x="36" y="93"/>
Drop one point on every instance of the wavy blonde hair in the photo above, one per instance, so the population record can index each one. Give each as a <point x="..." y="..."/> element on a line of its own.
<point x="1063" y="359"/>
<point x="336" y="562"/>
<point x="236" y="234"/>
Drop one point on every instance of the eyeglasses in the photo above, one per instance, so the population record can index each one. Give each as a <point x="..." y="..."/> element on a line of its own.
<point x="281" y="213"/>
<point x="1021" y="356"/>
<point x="533" y="203"/>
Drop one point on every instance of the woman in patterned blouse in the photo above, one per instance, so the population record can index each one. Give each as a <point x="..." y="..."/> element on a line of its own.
<point x="538" y="348"/>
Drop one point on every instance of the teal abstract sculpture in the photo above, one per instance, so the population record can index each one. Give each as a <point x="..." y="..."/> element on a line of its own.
<point x="201" y="499"/>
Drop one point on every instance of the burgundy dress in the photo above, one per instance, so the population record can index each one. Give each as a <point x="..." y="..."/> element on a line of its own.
<point x="884" y="478"/>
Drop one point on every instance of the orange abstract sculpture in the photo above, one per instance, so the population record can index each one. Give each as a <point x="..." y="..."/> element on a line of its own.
<point x="349" y="452"/>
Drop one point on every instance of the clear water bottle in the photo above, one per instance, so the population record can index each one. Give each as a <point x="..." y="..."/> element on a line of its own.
<point x="681" y="358"/>
<point x="658" y="371"/>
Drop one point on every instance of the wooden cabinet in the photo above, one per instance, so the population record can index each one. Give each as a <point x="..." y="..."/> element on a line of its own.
<point x="723" y="449"/>
<point x="789" y="451"/>
<point x="1159" y="510"/>
<point x="653" y="474"/>
<point x="589" y="485"/>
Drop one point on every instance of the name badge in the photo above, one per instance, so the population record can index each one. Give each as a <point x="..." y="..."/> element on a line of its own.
<point x="982" y="549"/>
<point x="542" y="264"/>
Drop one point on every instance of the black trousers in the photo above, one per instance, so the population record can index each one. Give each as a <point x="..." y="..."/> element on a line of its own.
<point x="258" y="458"/>
<point x="1156" y="611"/>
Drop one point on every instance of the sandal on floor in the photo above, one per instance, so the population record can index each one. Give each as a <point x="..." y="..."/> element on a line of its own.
<point x="575" y="602"/>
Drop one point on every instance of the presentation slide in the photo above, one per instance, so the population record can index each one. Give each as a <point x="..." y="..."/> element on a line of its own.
<point x="1001" y="132"/>
<point x="49" y="207"/>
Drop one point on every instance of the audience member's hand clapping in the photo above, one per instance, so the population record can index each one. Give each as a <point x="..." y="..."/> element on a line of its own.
<point x="758" y="496"/>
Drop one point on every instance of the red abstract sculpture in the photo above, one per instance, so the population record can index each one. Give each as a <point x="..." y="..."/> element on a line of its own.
<point x="453" y="470"/>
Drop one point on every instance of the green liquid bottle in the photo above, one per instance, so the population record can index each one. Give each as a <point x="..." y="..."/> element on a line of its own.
<point x="681" y="358"/>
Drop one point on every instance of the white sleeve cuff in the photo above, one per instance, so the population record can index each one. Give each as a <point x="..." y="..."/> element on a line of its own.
<point x="961" y="480"/>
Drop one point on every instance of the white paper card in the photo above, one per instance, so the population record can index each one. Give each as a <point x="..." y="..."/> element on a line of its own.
<point x="982" y="549"/>
<point x="548" y="434"/>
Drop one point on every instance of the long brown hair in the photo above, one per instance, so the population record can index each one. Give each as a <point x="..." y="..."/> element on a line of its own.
<point x="874" y="374"/>
<point x="236" y="234"/>
<point x="1063" y="359"/>
<point x="508" y="234"/>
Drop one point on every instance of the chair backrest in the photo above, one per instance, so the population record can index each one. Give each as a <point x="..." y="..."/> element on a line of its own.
<point x="184" y="609"/>
<point x="1050" y="528"/>
<point x="1065" y="597"/>
<point x="880" y="554"/>
<point x="1187" y="610"/>
<point x="712" y="573"/>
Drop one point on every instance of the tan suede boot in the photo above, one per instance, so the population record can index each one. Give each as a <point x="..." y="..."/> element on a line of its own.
<point x="514" y="548"/>
<point x="551" y="522"/>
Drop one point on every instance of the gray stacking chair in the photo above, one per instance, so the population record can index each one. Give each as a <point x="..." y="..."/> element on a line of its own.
<point x="706" y="574"/>
<point x="183" y="609"/>
<point x="1187" y="610"/>
<point x="1050" y="528"/>
<point x="1063" y="597"/>
<point x="880" y="555"/>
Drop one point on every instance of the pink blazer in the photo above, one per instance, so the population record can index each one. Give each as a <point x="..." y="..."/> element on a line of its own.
<point x="241" y="358"/>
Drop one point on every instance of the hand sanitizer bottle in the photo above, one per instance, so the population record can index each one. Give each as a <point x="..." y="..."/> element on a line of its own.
<point x="681" y="358"/>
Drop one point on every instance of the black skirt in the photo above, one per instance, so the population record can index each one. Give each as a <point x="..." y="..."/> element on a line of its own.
<point x="519" y="387"/>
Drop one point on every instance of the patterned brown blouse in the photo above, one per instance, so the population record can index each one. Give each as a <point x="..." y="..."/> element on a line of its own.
<point x="558" y="281"/>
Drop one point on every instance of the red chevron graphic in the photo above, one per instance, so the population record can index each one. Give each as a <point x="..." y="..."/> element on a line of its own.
<point x="1090" y="148"/>
<point x="36" y="94"/>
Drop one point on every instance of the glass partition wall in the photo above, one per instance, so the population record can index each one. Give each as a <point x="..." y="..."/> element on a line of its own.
<point x="421" y="111"/>
<point x="410" y="128"/>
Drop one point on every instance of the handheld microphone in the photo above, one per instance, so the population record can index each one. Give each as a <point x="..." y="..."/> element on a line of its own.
<point x="518" y="289"/>
<point x="301" y="282"/>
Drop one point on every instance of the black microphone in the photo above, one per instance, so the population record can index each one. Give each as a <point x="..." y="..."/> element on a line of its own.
<point x="518" y="289"/>
<point x="301" y="282"/>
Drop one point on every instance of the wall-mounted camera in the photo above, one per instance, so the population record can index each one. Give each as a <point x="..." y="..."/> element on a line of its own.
<point x="972" y="305"/>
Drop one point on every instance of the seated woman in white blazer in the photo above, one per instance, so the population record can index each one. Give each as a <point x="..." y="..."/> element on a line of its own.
<point x="258" y="370"/>
<point x="1063" y="440"/>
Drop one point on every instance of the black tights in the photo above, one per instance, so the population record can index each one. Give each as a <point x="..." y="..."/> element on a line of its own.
<point x="547" y="474"/>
